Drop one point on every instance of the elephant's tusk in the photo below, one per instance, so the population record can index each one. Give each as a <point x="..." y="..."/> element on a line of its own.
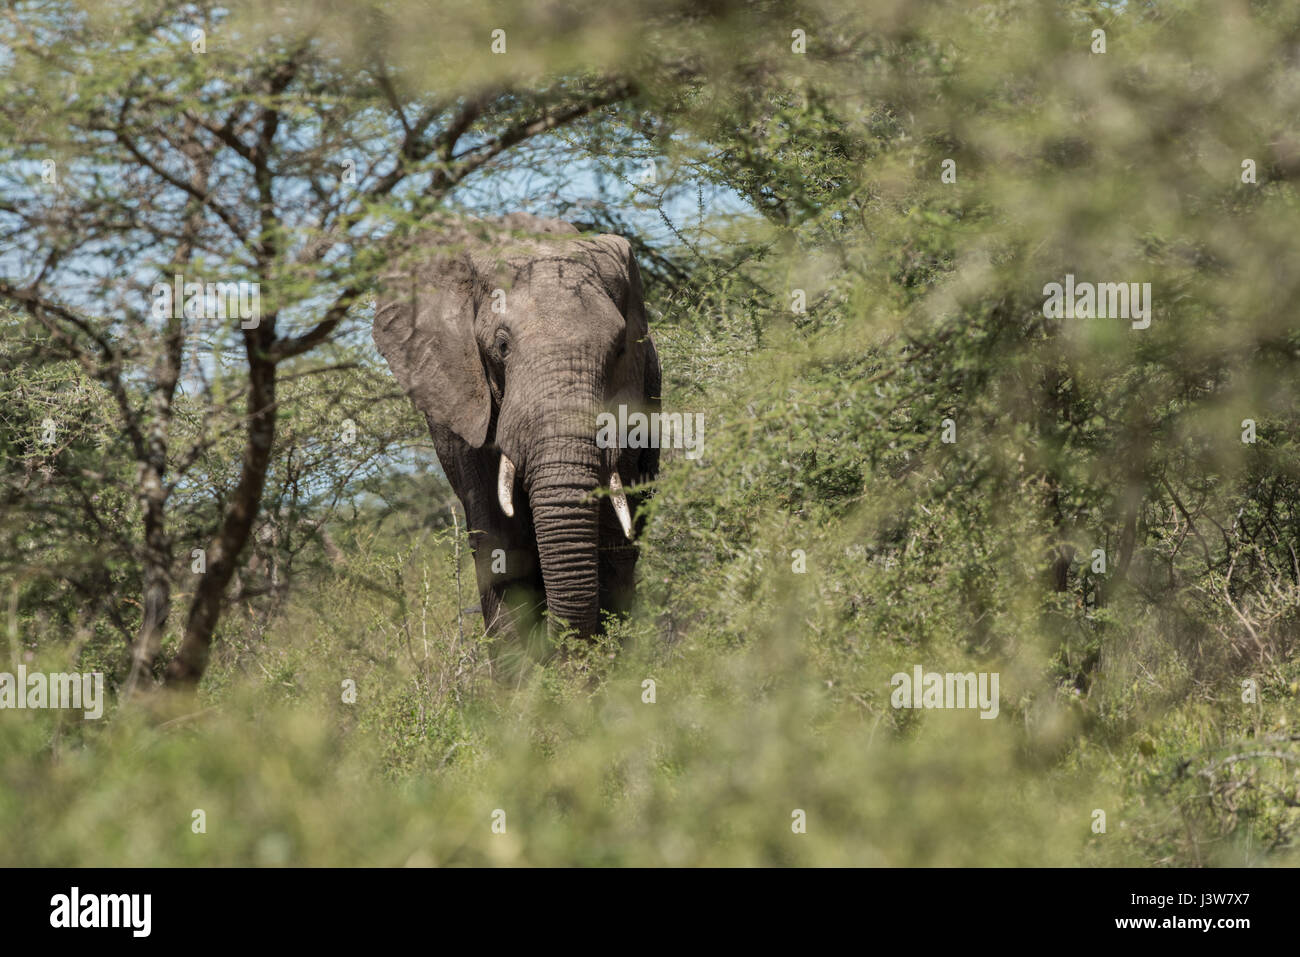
<point x="506" y="487"/>
<point x="620" y="503"/>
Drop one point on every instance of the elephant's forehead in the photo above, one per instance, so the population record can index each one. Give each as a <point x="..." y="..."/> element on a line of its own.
<point x="554" y="269"/>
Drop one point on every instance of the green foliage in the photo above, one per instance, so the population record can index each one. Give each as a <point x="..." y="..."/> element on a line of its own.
<point x="1097" y="532"/>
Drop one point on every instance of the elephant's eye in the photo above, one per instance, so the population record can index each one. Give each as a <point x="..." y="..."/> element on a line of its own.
<point x="503" y="343"/>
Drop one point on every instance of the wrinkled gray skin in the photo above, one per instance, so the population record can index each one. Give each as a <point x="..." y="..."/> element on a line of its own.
<point x="527" y="383"/>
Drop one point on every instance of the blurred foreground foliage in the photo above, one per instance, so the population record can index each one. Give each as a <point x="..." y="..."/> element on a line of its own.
<point x="1098" y="532"/>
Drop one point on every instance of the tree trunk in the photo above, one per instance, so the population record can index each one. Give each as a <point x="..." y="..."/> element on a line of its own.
<point x="157" y="562"/>
<point x="191" y="660"/>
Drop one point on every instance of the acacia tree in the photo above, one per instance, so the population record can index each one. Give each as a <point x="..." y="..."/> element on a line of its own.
<point x="200" y="145"/>
<point x="292" y="151"/>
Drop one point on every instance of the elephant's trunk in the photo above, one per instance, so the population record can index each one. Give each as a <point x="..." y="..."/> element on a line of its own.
<point x="565" y="517"/>
<point x="550" y="435"/>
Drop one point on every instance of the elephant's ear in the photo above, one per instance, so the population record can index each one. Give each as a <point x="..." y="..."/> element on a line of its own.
<point x="622" y="279"/>
<point x="424" y="327"/>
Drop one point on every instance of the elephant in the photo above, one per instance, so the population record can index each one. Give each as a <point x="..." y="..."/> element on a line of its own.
<point x="510" y="336"/>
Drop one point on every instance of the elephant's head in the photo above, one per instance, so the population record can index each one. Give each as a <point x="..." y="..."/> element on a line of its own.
<point x="513" y="335"/>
